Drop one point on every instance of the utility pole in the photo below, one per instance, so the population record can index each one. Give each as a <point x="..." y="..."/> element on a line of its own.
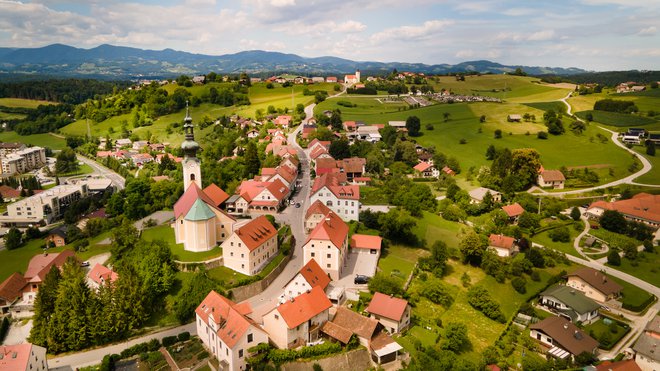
<point x="539" y="206"/>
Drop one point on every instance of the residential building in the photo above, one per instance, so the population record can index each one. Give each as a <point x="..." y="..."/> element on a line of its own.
<point x="315" y="144"/>
<point x="594" y="284"/>
<point x="328" y="245"/>
<point x="100" y="275"/>
<point x="283" y="121"/>
<point x="349" y="125"/>
<point x="7" y="148"/>
<point x="23" y="160"/>
<point x="514" y="211"/>
<point x="426" y="170"/>
<point x="625" y="365"/>
<point x="23" y="357"/>
<point x="504" y="246"/>
<point x="366" y="244"/>
<point x="551" y="179"/>
<point x="309" y="276"/>
<point x="44" y="207"/>
<point x="57" y="237"/>
<point x="331" y="79"/>
<point x="123" y="142"/>
<point x="315" y="214"/>
<point x="226" y="331"/>
<point x="352" y="167"/>
<point x="570" y="303"/>
<point x="564" y="339"/>
<point x="10" y="290"/>
<point x="298" y="321"/>
<point x="259" y="197"/>
<point x="642" y="207"/>
<point x="344" y="200"/>
<point x="393" y="313"/>
<point x="647" y="345"/>
<point x="9" y="194"/>
<point x="477" y="195"/>
<point x="250" y="247"/>
<point x="369" y="133"/>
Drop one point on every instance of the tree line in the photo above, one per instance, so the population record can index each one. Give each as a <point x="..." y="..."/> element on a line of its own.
<point x="70" y="91"/>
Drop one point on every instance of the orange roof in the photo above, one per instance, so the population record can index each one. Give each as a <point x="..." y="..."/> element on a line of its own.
<point x="498" y="240"/>
<point x="317" y="207"/>
<point x="314" y="275"/>
<point x="15" y="357"/>
<point x="513" y="210"/>
<point x="304" y="307"/>
<point x="627" y="365"/>
<point x="332" y="181"/>
<point x="101" y="274"/>
<point x="278" y="189"/>
<point x="287" y="173"/>
<point x="185" y="202"/>
<point x="422" y="166"/>
<point x="11" y="288"/>
<point x="9" y="192"/>
<point x="448" y="171"/>
<point x="365" y="241"/>
<point x="268" y="171"/>
<point x="350" y="124"/>
<point x="41" y="264"/>
<point x="387" y="306"/>
<point x="256" y="232"/>
<point x="642" y="206"/>
<point x="332" y="229"/>
<point x="229" y="316"/>
<point x="216" y="194"/>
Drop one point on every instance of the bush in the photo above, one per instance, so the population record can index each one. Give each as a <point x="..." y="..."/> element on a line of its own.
<point x="613" y="258"/>
<point x="560" y="234"/>
<point x="479" y="298"/>
<point x="184" y="336"/>
<point x="169" y="341"/>
<point x="498" y="134"/>
<point x="542" y="135"/>
<point x="518" y="284"/>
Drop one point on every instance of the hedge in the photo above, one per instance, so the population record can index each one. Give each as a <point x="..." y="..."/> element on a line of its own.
<point x="640" y="307"/>
<point x="280" y="356"/>
<point x="184" y="336"/>
<point x="170" y="340"/>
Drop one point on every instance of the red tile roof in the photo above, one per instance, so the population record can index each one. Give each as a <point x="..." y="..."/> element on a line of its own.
<point x="314" y="274"/>
<point x="364" y="241"/>
<point x="332" y="229"/>
<point x="352" y="164"/>
<point x="229" y="316"/>
<point x="498" y="240"/>
<point x="185" y="202"/>
<point x="627" y="365"/>
<point x="317" y="207"/>
<point x="11" y="288"/>
<point x="278" y="189"/>
<point x="256" y="232"/>
<point x="325" y="163"/>
<point x="41" y="264"/>
<point x="642" y="206"/>
<point x="356" y="323"/>
<point x="9" y="192"/>
<point x="102" y="274"/>
<point x="333" y="183"/>
<point x="422" y="166"/>
<point x="304" y="307"/>
<point x="216" y="194"/>
<point x="387" y="306"/>
<point x="513" y="210"/>
<point x="15" y="357"/>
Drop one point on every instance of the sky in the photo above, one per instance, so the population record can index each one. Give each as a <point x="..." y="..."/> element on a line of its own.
<point x="590" y="34"/>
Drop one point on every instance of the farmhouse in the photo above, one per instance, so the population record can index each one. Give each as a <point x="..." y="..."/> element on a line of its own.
<point x="594" y="284"/>
<point x="393" y="313"/>
<point x="642" y="207"/>
<point x="250" y="247"/>
<point x="328" y="245"/>
<point x="477" y="195"/>
<point x="504" y="246"/>
<point x="551" y="179"/>
<point x="514" y="118"/>
<point x="226" y="331"/>
<point x="426" y="170"/>
<point x="562" y="337"/>
<point x="331" y="79"/>
<point x="570" y="303"/>
<point x="514" y="211"/>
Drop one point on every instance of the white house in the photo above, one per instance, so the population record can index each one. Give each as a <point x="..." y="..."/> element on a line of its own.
<point x="328" y="245"/>
<point x="551" y="179"/>
<point x="309" y="276"/>
<point x="570" y="303"/>
<point x="504" y="246"/>
<point x="250" y="247"/>
<point x="344" y="200"/>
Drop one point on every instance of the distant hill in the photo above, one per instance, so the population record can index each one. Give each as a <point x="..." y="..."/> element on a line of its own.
<point x="108" y="61"/>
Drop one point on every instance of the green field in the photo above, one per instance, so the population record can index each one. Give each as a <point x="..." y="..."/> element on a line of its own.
<point x="11" y="116"/>
<point x="166" y="233"/>
<point x="22" y="103"/>
<point x="603" y="332"/>
<point x="547" y="106"/>
<point x="565" y="247"/>
<point x="433" y="228"/>
<point x="646" y="267"/>
<point x="632" y="295"/>
<point x="653" y="176"/>
<point x="507" y="87"/>
<point x="364" y="106"/>
<point x="401" y="259"/>
<point x="41" y="140"/>
<point x="82" y="170"/>
<point x="617" y="119"/>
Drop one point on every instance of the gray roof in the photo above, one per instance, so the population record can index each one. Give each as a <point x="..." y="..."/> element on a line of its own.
<point x="654" y="325"/>
<point x="648" y="346"/>
<point x="572" y="298"/>
<point x="479" y="193"/>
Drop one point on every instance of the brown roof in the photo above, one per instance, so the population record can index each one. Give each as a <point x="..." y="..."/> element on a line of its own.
<point x="627" y="365"/>
<point x="216" y="194"/>
<point x="256" y="232"/>
<point x="287" y="173"/>
<point x="41" y="264"/>
<point x="365" y="241"/>
<point x="552" y="176"/>
<point x="566" y="335"/>
<point x="9" y="192"/>
<point x="387" y="306"/>
<point x="380" y="341"/>
<point x="422" y="166"/>
<point x="513" y="210"/>
<point x="318" y="207"/>
<point x="597" y="280"/>
<point x="11" y="288"/>
<point x="642" y="206"/>
<point x="304" y="307"/>
<point x="229" y="317"/>
<point x="352" y="165"/>
<point x="360" y="325"/>
<point x="498" y="240"/>
<point x="337" y="332"/>
<point x="278" y="189"/>
<point x="314" y="274"/>
<point x="332" y="229"/>
<point x="326" y="163"/>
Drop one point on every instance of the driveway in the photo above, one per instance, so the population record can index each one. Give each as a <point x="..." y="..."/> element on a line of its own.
<point x="18" y="333"/>
<point x="357" y="263"/>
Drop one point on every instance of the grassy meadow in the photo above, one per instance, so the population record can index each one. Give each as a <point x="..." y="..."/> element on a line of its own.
<point x="22" y="103"/>
<point x="42" y="140"/>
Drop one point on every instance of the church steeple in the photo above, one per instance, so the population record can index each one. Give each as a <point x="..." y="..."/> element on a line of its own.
<point x="191" y="167"/>
<point x="189" y="146"/>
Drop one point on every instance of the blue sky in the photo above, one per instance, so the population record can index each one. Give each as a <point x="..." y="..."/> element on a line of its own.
<point x="590" y="34"/>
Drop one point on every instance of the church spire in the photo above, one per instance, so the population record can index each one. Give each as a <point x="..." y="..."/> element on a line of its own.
<point x="189" y="145"/>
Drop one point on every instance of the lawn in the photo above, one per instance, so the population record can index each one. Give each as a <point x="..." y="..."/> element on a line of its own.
<point x="556" y="106"/>
<point x="166" y="233"/>
<point x="372" y="196"/>
<point x="363" y="106"/>
<point x="22" y="103"/>
<point x="646" y="267"/>
<point x="608" y="332"/>
<point x="633" y="296"/>
<point x="432" y="227"/>
<point x="41" y="140"/>
<point x="653" y="176"/>
<point x="565" y="247"/>
<point x="617" y="119"/>
<point x="497" y="113"/>
<point x="82" y="170"/>
<point x="501" y="86"/>
<point x="225" y="276"/>
<point x="401" y="259"/>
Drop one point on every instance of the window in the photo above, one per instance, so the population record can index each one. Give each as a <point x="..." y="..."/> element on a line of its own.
<point x="242" y="265"/>
<point x="192" y="177"/>
<point x="240" y="353"/>
<point x="231" y="254"/>
<point x="181" y="221"/>
<point x="312" y="255"/>
<point x="249" y="338"/>
<point x="242" y="255"/>
<point x="329" y="265"/>
<point x="329" y="256"/>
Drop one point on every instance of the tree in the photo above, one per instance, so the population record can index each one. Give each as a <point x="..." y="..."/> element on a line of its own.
<point x="613" y="258"/>
<point x="560" y="234"/>
<point x="498" y="134"/>
<point x="340" y="149"/>
<point x="44" y="306"/>
<point x="123" y="239"/>
<point x="386" y="284"/>
<point x="480" y="299"/>
<point x="389" y="134"/>
<point x="446" y="116"/>
<point x="191" y="294"/>
<point x="575" y="214"/>
<point x="456" y="337"/>
<point x="13" y="239"/>
<point x="252" y="162"/>
<point x="650" y="148"/>
<point x="490" y="152"/>
<point x="614" y="221"/>
<point x="397" y="225"/>
<point x="335" y="120"/>
<point x="413" y="124"/>
<point x="437" y="292"/>
<point x="518" y="284"/>
<point x="472" y="247"/>
<point x="66" y="161"/>
<point x="482" y="119"/>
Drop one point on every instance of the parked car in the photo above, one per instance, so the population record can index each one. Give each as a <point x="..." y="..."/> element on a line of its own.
<point x="298" y="205"/>
<point x="360" y="279"/>
<point x="84" y="264"/>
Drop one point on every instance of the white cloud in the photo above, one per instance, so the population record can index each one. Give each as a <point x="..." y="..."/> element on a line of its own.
<point x="410" y="33"/>
<point x="517" y="12"/>
<point x="648" y="31"/>
<point x="542" y="35"/>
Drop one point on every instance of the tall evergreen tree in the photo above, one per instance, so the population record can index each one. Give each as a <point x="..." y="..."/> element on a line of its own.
<point x="44" y="307"/>
<point x="252" y="162"/>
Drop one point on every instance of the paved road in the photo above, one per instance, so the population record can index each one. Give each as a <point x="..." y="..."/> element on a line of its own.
<point x="94" y="357"/>
<point x="117" y="180"/>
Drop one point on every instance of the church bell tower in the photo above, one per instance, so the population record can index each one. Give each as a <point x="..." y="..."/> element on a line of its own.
<point x="191" y="166"/>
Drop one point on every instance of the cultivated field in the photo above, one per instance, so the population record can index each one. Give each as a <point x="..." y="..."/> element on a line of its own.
<point x="22" y="103"/>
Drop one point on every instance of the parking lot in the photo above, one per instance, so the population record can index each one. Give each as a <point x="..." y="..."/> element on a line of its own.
<point x="358" y="263"/>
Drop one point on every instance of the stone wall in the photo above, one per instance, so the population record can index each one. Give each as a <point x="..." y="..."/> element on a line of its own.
<point x="194" y="266"/>
<point x="356" y="360"/>
<point x="238" y="294"/>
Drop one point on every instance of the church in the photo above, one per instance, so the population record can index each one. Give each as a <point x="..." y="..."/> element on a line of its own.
<point x="199" y="223"/>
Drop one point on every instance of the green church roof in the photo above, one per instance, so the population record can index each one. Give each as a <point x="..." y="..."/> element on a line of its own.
<point x="199" y="211"/>
<point x="574" y="299"/>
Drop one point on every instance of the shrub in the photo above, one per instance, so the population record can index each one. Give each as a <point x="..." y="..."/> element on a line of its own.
<point x="518" y="284"/>
<point x="498" y="134"/>
<point x="184" y="336"/>
<point x="429" y="126"/>
<point x="613" y="258"/>
<point x="560" y="234"/>
<point x="480" y="299"/>
<point x="169" y="340"/>
<point x="542" y="135"/>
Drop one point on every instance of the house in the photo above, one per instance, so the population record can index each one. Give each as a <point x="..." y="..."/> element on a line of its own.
<point x="352" y="79"/>
<point x="319" y="153"/>
<point x="564" y="339"/>
<point x="366" y="244"/>
<point x="28" y="357"/>
<point x="654" y="138"/>
<point x="9" y="194"/>
<point x="647" y="345"/>
<point x="426" y="170"/>
<point x="123" y="142"/>
<point x="514" y="118"/>
<point x="594" y="284"/>
<point x="352" y="167"/>
<point x="369" y="133"/>
<point x="57" y="237"/>
<point x="309" y="276"/>
<point x="254" y="133"/>
<point x="642" y="207"/>
<point x="160" y="156"/>
<point x="350" y="125"/>
<point x="10" y="290"/>
<point x="139" y="144"/>
<point x="140" y="159"/>
<point x="199" y="79"/>
<point x="283" y="121"/>
<point x="316" y="212"/>
<point x="551" y="179"/>
<point x="291" y="162"/>
<point x="328" y="245"/>
<point x="250" y="247"/>
<point x="626" y="365"/>
<point x="314" y="144"/>
<point x="226" y="331"/>
<point x="332" y="79"/>
<point x="308" y="130"/>
<point x="570" y="303"/>
<point x="514" y="211"/>
<point x="638" y="132"/>
<point x="99" y="275"/>
<point x="298" y="321"/>
<point x="393" y="313"/>
<point x="397" y="124"/>
<point x="258" y="196"/>
<point x="504" y="246"/>
<point x="477" y="195"/>
<point x="362" y="180"/>
<point x="344" y="200"/>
